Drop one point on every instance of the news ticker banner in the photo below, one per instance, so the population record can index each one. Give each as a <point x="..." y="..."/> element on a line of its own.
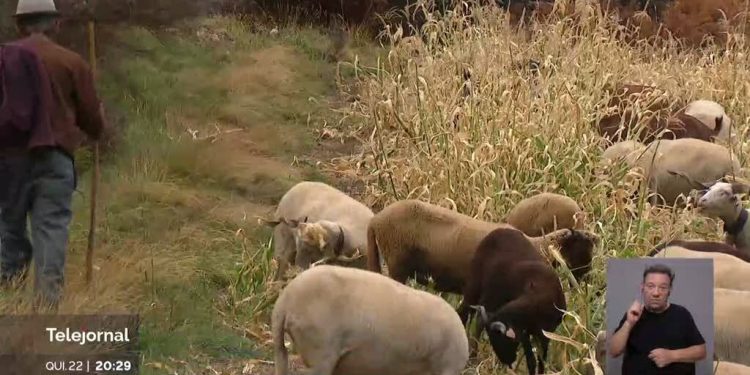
<point x="69" y="344"/>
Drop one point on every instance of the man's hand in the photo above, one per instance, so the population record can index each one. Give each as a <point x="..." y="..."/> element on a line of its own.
<point x="634" y="313"/>
<point x="662" y="357"/>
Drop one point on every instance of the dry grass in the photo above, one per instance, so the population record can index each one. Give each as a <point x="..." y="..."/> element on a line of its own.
<point x="513" y="136"/>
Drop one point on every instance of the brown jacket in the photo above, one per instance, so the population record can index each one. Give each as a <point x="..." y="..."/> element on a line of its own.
<point x="76" y="108"/>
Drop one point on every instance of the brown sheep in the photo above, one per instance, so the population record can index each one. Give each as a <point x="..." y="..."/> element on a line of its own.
<point x="420" y="239"/>
<point x="663" y="123"/>
<point x="517" y="293"/>
<point x="544" y="213"/>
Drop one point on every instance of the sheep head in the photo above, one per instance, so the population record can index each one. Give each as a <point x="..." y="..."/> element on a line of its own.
<point x="721" y="198"/>
<point x="326" y="236"/>
<point x="493" y="324"/>
<point x="576" y="248"/>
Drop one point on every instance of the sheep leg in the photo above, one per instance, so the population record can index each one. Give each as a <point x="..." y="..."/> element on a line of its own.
<point x="324" y="359"/>
<point x="529" y="353"/>
<point x="284" y="249"/>
<point x="303" y="259"/>
<point x="543" y="354"/>
<point x="476" y="335"/>
<point x="544" y="343"/>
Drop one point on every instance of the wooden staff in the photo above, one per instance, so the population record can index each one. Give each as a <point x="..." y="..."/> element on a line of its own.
<point x="95" y="175"/>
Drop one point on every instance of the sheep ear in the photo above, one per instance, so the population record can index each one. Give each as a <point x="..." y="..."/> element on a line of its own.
<point x="292" y="222"/>
<point x="503" y="329"/>
<point x="270" y="223"/>
<point x="719" y="124"/>
<point x="740" y="188"/>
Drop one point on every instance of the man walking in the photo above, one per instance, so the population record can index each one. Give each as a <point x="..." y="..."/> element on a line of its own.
<point x="38" y="173"/>
<point x="659" y="337"/>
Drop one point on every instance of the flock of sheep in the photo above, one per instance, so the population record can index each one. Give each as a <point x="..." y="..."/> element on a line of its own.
<point x="345" y="316"/>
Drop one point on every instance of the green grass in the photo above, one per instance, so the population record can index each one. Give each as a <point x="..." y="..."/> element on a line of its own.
<point x="177" y="240"/>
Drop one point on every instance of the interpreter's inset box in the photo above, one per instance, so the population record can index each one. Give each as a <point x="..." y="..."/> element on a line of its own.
<point x="660" y="315"/>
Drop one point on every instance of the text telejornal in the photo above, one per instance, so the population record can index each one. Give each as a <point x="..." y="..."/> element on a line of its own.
<point x="84" y="337"/>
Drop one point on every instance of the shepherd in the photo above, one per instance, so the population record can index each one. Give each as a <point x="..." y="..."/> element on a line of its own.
<point x="48" y="105"/>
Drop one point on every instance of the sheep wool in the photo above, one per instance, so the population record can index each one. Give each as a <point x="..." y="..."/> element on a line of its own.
<point x="674" y="167"/>
<point x="729" y="272"/>
<point x="729" y="368"/>
<point x="544" y="213"/>
<point x="344" y="321"/>
<point x="711" y="114"/>
<point x="731" y="326"/>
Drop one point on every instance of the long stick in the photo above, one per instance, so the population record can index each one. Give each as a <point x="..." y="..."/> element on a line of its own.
<point x="95" y="175"/>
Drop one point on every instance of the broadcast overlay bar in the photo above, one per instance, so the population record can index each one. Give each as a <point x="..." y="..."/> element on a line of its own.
<point x="69" y="344"/>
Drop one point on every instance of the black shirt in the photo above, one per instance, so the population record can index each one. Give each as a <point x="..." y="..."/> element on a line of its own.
<point x="672" y="329"/>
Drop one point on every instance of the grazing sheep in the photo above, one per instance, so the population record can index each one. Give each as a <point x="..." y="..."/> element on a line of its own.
<point x="721" y="201"/>
<point x="677" y="126"/>
<point x="672" y="166"/>
<point x="416" y="237"/>
<point x="334" y="227"/>
<point x="704" y="246"/>
<point x="624" y="98"/>
<point x="729" y="368"/>
<point x="345" y="321"/>
<point x="522" y="292"/>
<point x="729" y="272"/>
<point x="713" y="115"/>
<point x="731" y="325"/>
<point x="544" y="213"/>
<point x="701" y="119"/>
<point x="626" y="151"/>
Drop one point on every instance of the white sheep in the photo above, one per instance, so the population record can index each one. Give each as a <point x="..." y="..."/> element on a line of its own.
<point x="544" y="213"/>
<point x="721" y="201"/>
<point x="731" y="325"/>
<point x="674" y="167"/>
<point x="729" y="368"/>
<point x="729" y="272"/>
<point x="345" y="320"/>
<point x="315" y="222"/>
<point x="711" y="114"/>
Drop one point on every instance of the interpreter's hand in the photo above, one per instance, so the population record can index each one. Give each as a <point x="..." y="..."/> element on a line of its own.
<point x="662" y="357"/>
<point x="634" y="312"/>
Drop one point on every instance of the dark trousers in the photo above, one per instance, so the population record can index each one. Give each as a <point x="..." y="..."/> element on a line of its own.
<point x="38" y="186"/>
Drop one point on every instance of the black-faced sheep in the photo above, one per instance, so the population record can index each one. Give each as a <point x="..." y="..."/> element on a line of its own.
<point x="420" y="239"/>
<point x="518" y="294"/>
<point x="731" y="325"/>
<point x="544" y="213"/>
<point x="349" y="321"/>
<point x="721" y="201"/>
<point x="317" y="222"/>
<point x="729" y="272"/>
<point x="673" y="167"/>
<point x="704" y="246"/>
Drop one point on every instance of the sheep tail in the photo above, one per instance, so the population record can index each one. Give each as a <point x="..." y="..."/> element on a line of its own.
<point x="281" y="356"/>
<point x="373" y="254"/>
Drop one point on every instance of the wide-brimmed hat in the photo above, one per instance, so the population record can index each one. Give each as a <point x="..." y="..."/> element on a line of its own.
<point x="34" y="7"/>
